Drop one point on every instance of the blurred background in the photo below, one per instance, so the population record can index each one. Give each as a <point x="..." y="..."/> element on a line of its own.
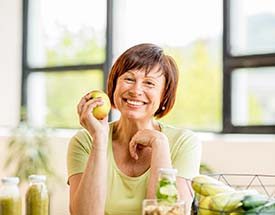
<point x="54" y="51"/>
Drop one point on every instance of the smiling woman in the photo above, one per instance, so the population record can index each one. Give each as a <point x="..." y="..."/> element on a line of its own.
<point x="129" y="93"/>
<point x="135" y="65"/>
<point x="113" y="167"/>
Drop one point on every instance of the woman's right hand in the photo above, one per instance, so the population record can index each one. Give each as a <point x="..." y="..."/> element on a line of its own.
<point x="97" y="128"/>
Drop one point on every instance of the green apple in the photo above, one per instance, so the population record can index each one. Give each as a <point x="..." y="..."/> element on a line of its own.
<point x="100" y="112"/>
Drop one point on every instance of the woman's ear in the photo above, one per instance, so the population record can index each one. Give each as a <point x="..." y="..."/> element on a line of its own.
<point x="163" y="104"/>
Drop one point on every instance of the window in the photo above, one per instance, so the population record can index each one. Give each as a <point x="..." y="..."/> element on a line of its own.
<point x="66" y="49"/>
<point x="249" y="66"/>
<point x="64" y="57"/>
<point x="226" y="82"/>
<point x="193" y="36"/>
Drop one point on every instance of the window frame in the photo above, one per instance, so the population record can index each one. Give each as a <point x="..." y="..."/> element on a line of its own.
<point x="230" y="63"/>
<point x="27" y="69"/>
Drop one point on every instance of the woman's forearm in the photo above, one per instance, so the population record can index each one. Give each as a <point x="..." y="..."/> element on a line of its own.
<point x="160" y="159"/>
<point x="90" y="195"/>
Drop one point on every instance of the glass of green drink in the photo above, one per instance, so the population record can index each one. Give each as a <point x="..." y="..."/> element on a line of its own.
<point x="10" y="199"/>
<point x="37" y="199"/>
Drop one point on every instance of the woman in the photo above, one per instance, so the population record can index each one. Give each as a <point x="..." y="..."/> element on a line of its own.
<point x="113" y="166"/>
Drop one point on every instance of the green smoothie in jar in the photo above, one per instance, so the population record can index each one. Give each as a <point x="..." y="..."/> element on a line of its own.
<point x="167" y="189"/>
<point x="37" y="199"/>
<point x="10" y="206"/>
<point x="10" y="200"/>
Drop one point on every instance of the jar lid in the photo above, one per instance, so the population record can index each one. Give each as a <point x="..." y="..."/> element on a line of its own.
<point x="37" y="178"/>
<point x="10" y="180"/>
<point x="168" y="171"/>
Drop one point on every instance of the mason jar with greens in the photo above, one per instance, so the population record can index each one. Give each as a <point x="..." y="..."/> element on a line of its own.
<point x="10" y="199"/>
<point x="37" y="199"/>
<point x="167" y="188"/>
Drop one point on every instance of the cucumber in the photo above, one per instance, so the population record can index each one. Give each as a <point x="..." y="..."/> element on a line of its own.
<point x="267" y="209"/>
<point x="167" y="191"/>
<point x="254" y="201"/>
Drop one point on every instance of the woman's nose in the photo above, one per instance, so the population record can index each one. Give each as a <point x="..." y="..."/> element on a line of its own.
<point x="136" y="89"/>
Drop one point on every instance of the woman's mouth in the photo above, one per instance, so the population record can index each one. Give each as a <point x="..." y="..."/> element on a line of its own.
<point x="134" y="102"/>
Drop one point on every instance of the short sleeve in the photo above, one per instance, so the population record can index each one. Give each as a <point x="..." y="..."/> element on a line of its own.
<point x="186" y="154"/>
<point x="78" y="152"/>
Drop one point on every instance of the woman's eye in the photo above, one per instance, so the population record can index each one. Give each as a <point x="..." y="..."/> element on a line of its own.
<point x="129" y="79"/>
<point x="149" y="83"/>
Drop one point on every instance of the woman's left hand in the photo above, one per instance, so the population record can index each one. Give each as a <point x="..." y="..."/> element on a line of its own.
<point x="147" y="138"/>
<point x="160" y="155"/>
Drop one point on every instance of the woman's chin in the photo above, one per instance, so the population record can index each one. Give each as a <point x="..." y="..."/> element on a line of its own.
<point x="133" y="115"/>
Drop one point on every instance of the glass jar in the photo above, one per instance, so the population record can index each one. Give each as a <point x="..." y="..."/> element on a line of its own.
<point x="10" y="199"/>
<point x="167" y="188"/>
<point x="37" y="199"/>
<point x="154" y="207"/>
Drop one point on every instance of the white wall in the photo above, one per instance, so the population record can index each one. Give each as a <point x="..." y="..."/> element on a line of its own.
<point x="240" y="153"/>
<point x="10" y="60"/>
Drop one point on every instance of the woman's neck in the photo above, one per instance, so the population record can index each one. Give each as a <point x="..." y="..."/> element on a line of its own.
<point x="125" y="129"/>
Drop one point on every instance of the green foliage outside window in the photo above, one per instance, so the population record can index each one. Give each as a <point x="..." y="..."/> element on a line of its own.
<point x="76" y="49"/>
<point x="64" y="91"/>
<point x="255" y="111"/>
<point x="199" y="95"/>
<point x="198" y="104"/>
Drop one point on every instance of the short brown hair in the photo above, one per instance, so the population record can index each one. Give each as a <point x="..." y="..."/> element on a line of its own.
<point x="146" y="56"/>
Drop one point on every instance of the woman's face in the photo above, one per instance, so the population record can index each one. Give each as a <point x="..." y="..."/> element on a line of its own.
<point x="137" y="95"/>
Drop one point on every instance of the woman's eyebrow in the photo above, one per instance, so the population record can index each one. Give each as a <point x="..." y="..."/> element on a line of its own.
<point x="154" y="77"/>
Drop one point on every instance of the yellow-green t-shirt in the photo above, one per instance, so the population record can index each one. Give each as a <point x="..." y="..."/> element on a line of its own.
<point x="124" y="193"/>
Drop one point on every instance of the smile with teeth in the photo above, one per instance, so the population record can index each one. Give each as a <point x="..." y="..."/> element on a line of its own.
<point x="133" y="102"/>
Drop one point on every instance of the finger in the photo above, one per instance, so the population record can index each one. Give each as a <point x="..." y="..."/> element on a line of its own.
<point x="105" y="120"/>
<point x="81" y="103"/>
<point x="88" y="109"/>
<point x="80" y="106"/>
<point x="140" y="138"/>
<point x="88" y="96"/>
<point x="133" y="149"/>
<point x="91" y="104"/>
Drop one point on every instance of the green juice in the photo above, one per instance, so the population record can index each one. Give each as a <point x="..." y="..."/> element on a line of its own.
<point x="37" y="200"/>
<point x="167" y="189"/>
<point x="10" y="206"/>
